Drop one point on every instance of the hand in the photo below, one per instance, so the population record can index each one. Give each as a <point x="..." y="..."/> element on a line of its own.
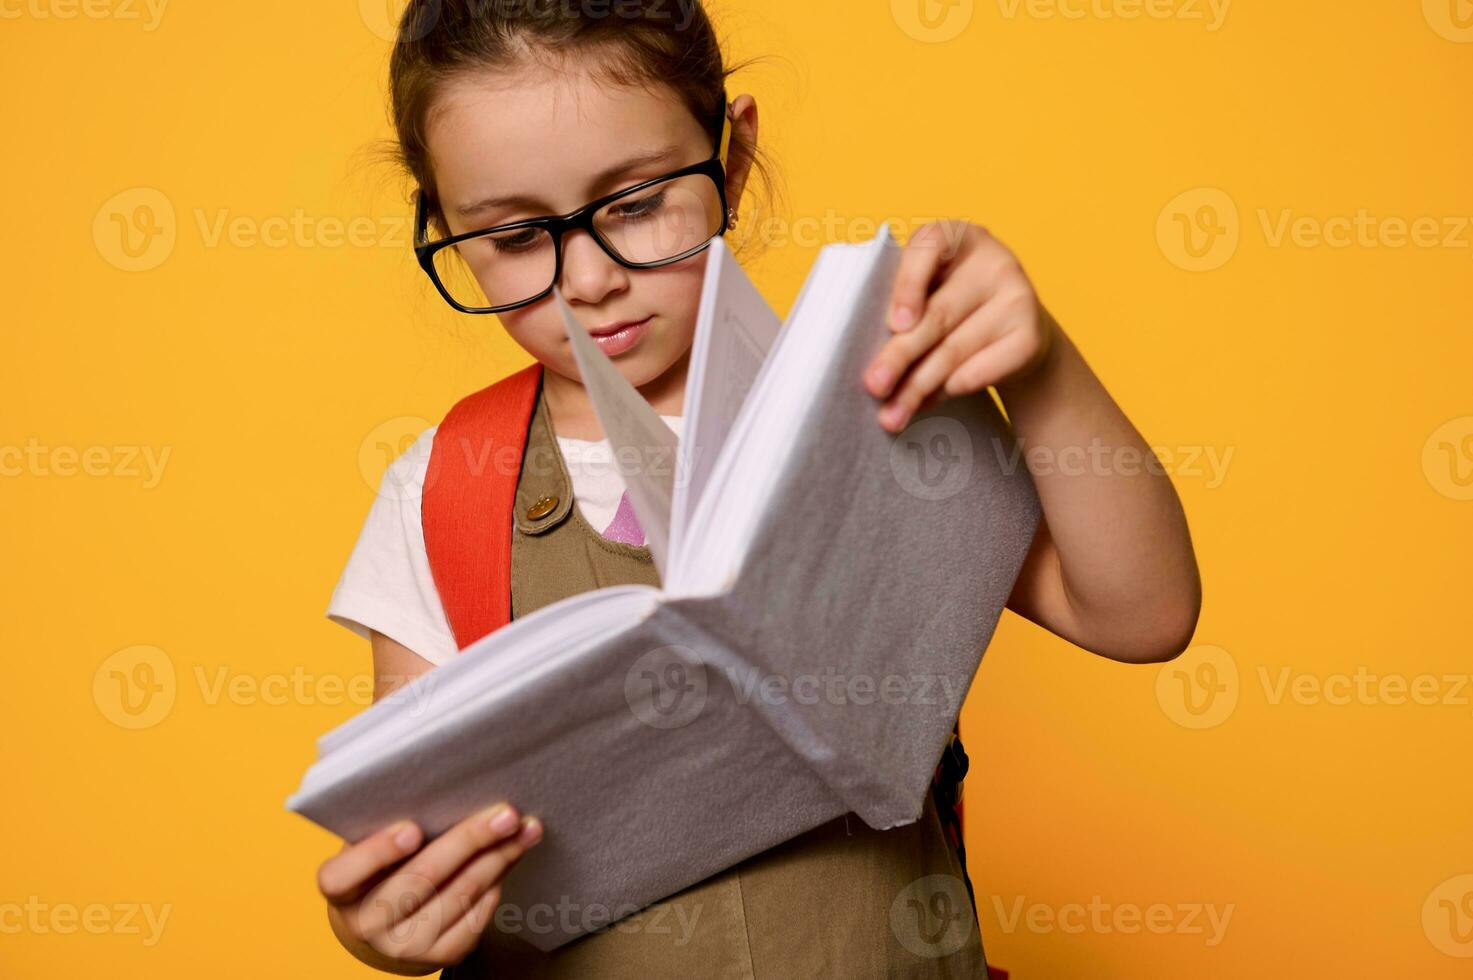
<point x="964" y="316"/>
<point x="411" y="909"/>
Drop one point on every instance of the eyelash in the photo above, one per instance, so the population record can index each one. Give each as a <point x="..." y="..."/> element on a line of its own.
<point x="654" y="201"/>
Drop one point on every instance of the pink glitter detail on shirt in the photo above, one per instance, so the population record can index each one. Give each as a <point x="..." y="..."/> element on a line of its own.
<point x="625" y="526"/>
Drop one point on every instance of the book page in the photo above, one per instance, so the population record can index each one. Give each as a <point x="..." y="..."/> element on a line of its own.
<point x="724" y="515"/>
<point x="642" y="444"/>
<point x="879" y="561"/>
<point x="735" y="331"/>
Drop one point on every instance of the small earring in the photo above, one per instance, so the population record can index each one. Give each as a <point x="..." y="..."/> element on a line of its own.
<point x="731" y="217"/>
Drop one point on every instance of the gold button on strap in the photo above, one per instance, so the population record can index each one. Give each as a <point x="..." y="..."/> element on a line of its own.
<point x="544" y="506"/>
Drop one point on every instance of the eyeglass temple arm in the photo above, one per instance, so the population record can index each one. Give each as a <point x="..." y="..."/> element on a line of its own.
<point x="725" y="129"/>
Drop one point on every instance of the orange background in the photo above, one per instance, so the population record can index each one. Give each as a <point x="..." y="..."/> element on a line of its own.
<point x="1326" y="369"/>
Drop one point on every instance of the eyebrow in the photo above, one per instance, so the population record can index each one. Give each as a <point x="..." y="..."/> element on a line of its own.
<point x="600" y="179"/>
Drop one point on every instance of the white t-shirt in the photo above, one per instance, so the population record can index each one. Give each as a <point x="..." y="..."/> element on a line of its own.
<point x="386" y="584"/>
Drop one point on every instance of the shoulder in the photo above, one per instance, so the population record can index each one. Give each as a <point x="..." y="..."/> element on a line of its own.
<point x="404" y="479"/>
<point x="386" y="585"/>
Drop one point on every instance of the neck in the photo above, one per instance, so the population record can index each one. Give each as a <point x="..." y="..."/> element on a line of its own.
<point x="572" y="411"/>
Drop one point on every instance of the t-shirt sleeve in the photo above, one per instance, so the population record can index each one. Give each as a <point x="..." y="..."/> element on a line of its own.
<point x="386" y="584"/>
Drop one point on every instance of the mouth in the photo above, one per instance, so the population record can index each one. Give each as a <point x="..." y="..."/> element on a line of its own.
<point x="615" y="326"/>
<point x="620" y="336"/>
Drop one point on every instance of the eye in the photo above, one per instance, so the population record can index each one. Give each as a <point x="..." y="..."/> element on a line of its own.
<point x="640" y="208"/>
<point x="516" y="241"/>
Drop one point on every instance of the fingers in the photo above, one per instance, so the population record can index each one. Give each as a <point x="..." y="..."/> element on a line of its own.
<point x="945" y="309"/>
<point x="928" y="250"/>
<point x="443" y="926"/>
<point x="953" y="366"/>
<point x="457" y="942"/>
<point x="994" y="362"/>
<point x="982" y="295"/>
<point x="476" y="891"/>
<point x="344" y="878"/>
<point x="487" y="870"/>
<point x="403" y="893"/>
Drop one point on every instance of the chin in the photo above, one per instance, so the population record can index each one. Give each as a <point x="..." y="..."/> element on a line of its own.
<point x="640" y="371"/>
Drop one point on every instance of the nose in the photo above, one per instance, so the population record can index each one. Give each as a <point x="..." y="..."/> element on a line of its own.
<point x="589" y="274"/>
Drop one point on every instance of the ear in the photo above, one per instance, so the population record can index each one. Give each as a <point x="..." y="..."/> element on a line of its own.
<point x="743" y="121"/>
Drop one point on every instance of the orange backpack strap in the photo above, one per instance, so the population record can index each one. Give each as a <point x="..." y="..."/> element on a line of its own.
<point x="467" y="507"/>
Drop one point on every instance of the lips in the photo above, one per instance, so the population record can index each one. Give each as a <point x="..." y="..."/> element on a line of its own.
<point x="612" y="328"/>
<point x="624" y="335"/>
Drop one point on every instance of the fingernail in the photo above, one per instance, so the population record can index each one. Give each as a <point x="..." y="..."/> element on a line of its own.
<point x="406" y="836"/>
<point x="503" y="821"/>
<point x="902" y="318"/>
<point x="891" y="415"/>
<point x="531" y="832"/>
<point x="882" y="377"/>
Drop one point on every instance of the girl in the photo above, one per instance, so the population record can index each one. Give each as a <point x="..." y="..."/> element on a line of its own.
<point x="597" y="151"/>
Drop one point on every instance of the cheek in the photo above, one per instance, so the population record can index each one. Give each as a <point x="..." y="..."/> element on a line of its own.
<point x="675" y="292"/>
<point x="537" y="328"/>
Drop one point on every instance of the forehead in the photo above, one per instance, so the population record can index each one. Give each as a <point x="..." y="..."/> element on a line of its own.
<point x="545" y="134"/>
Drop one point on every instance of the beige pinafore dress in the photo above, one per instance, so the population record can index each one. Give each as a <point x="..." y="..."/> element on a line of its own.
<point x="842" y="900"/>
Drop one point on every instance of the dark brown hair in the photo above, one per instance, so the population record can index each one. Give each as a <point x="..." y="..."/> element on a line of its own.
<point x="630" y="42"/>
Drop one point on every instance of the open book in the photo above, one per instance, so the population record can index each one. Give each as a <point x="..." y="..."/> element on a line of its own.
<point x="828" y="589"/>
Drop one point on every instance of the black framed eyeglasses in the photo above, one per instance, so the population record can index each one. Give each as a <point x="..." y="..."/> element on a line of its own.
<point x="654" y="223"/>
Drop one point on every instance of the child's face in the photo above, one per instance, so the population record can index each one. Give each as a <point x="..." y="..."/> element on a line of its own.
<point x="560" y="141"/>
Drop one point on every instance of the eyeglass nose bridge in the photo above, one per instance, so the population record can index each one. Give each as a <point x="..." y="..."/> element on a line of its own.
<point x="581" y="221"/>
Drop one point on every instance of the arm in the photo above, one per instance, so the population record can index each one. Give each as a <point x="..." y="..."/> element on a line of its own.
<point x="394" y="664"/>
<point x="1111" y="568"/>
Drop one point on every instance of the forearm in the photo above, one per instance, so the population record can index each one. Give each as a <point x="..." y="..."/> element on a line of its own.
<point x="1120" y="568"/>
